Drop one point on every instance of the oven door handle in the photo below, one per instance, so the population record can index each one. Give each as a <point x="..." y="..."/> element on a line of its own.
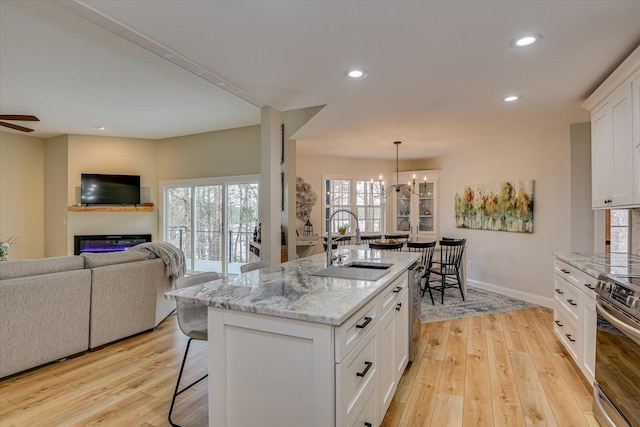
<point x="632" y="332"/>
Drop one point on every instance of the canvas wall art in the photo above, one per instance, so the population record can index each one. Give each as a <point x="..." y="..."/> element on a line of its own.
<point x="506" y="206"/>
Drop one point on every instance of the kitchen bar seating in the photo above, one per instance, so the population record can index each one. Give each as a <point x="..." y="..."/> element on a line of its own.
<point x="192" y="320"/>
<point x="448" y="266"/>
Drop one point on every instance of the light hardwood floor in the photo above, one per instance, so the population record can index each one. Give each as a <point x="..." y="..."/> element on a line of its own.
<point x="503" y="369"/>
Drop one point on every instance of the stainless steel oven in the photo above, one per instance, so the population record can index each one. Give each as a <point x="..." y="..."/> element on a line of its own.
<point x="617" y="374"/>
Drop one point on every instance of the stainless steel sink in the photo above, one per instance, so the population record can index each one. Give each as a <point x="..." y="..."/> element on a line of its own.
<point x="357" y="270"/>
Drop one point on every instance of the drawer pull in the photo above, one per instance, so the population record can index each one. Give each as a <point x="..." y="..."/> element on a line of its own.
<point x="565" y="271"/>
<point x="588" y="286"/>
<point x="570" y="301"/>
<point x="363" y="373"/>
<point x="398" y="306"/>
<point x="570" y="339"/>
<point x="558" y="291"/>
<point x="367" y="320"/>
<point x="397" y="289"/>
<point x="558" y="323"/>
<point x="368" y="425"/>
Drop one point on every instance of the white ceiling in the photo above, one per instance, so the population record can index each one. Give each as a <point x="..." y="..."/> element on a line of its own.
<point x="437" y="69"/>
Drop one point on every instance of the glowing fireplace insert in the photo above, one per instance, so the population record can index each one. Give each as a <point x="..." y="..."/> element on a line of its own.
<point x="108" y="242"/>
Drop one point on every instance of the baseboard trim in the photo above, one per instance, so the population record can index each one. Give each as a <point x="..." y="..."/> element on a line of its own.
<point x="514" y="293"/>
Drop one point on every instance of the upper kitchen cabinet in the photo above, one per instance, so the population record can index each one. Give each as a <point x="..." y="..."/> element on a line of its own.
<point x="615" y="145"/>
<point x="415" y="214"/>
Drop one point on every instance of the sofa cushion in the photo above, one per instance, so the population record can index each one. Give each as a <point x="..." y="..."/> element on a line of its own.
<point x="93" y="260"/>
<point x="34" y="267"/>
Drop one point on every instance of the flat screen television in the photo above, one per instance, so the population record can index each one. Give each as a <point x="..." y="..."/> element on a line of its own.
<point x="100" y="189"/>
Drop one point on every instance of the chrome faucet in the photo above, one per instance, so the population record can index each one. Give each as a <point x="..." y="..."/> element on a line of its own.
<point x="330" y="240"/>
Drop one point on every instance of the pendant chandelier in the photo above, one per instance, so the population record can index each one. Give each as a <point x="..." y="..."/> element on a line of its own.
<point x="405" y="189"/>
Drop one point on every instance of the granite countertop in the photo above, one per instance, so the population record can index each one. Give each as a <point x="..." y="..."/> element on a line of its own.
<point x="289" y="290"/>
<point x="594" y="264"/>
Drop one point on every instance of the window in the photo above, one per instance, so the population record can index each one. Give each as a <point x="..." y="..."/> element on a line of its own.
<point x="360" y="196"/>
<point x="211" y="220"/>
<point x="619" y="230"/>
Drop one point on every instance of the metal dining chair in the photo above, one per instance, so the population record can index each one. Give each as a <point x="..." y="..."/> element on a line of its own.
<point x="448" y="266"/>
<point x="426" y="250"/>
<point x="254" y="266"/>
<point x="192" y="320"/>
<point x="386" y="246"/>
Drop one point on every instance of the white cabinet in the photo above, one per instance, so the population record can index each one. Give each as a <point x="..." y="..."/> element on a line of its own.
<point x="575" y="315"/>
<point x="293" y="372"/>
<point x="415" y="214"/>
<point x="393" y="330"/>
<point x="614" y="122"/>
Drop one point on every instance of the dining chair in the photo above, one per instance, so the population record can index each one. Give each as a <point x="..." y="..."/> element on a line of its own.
<point x="370" y="238"/>
<point x="403" y="237"/>
<point x="426" y="250"/>
<point x="448" y="266"/>
<point x="192" y="320"/>
<point x="254" y="266"/>
<point x="386" y="246"/>
<point x="342" y="241"/>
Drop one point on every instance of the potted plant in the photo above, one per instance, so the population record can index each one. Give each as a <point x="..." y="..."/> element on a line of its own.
<point x="343" y="229"/>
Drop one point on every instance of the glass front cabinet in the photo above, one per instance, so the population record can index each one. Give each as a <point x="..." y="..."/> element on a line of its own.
<point x="415" y="214"/>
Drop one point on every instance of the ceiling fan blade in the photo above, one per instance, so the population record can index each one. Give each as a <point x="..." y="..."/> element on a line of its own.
<point x="19" y="117"/>
<point x="16" y="127"/>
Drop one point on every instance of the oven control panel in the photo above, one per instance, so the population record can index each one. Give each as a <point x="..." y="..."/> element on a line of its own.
<point x="621" y="294"/>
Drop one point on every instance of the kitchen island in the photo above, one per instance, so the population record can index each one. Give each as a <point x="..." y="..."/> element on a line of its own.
<point x="289" y="348"/>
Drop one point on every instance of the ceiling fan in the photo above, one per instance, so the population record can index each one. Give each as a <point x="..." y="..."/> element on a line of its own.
<point x="19" y="118"/>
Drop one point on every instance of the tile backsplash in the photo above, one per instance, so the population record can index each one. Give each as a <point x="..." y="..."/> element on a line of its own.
<point x="634" y="221"/>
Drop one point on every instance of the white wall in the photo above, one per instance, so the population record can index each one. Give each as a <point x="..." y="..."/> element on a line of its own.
<point x="55" y="197"/>
<point x="582" y="216"/>
<point x="518" y="264"/>
<point x="222" y="153"/>
<point x="22" y="194"/>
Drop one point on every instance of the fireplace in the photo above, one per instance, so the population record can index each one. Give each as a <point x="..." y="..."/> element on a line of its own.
<point x="107" y="242"/>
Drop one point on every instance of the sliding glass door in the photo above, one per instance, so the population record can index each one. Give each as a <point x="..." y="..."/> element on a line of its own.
<point x="211" y="221"/>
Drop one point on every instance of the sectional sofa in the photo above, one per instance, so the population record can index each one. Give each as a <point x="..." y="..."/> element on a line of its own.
<point x="52" y="308"/>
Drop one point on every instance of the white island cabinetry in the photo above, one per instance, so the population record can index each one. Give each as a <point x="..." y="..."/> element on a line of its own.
<point x="290" y="348"/>
<point x="290" y="372"/>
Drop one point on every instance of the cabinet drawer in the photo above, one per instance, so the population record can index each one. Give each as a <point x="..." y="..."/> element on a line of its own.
<point x="349" y="334"/>
<point x="366" y="414"/>
<point x="569" y="333"/>
<point x="577" y="277"/>
<point x="569" y="297"/>
<point x="389" y="296"/>
<point x="353" y="376"/>
<point x="567" y="272"/>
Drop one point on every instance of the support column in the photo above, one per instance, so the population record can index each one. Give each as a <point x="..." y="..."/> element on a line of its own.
<point x="270" y="191"/>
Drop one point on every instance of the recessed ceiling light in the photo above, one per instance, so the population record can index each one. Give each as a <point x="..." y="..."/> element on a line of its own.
<point x="100" y="127"/>
<point x="526" y="40"/>
<point x="511" y="98"/>
<point x="356" y="74"/>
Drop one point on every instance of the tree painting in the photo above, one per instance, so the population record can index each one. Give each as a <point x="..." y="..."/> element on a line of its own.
<point x="507" y="206"/>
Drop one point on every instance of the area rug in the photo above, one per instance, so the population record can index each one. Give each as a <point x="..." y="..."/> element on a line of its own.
<point x="478" y="302"/>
